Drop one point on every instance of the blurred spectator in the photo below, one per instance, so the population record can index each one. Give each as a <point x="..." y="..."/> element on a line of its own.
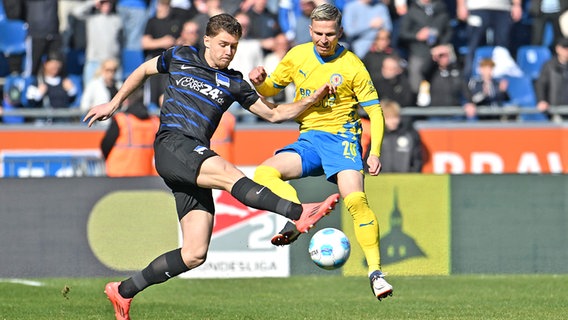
<point x="207" y="9"/>
<point x="294" y="19"/>
<point x="392" y="83"/>
<point x="15" y="10"/>
<point x="189" y="35"/>
<point x="402" y="149"/>
<point x="263" y="24"/>
<point x="486" y="90"/>
<point x="543" y="12"/>
<point x="102" y="87"/>
<point x="248" y="56"/>
<point x="362" y="19"/>
<point x="42" y="17"/>
<point x="481" y="15"/>
<point x="380" y="49"/>
<point x="233" y="6"/>
<point x="426" y="25"/>
<point x="161" y="33"/>
<point x="550" y="87"/>
<point x="183" y="10"/>
<point x="271" y="60"/>
<point x="447" y="85"/>
<point x="563" y="20"/>
<point x="12" y="99"/>
<point x="104" y="32"/>
<point x="397" y="9"/>
<point x="134" y="15"/>
<point x="52" y="89"/>
<point x="73" y="31"/>
<point x="64" y="11"/>
<point x="127" y="145"/>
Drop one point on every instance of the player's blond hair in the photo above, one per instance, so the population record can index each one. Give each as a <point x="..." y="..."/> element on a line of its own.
<point x="326" y="12"/>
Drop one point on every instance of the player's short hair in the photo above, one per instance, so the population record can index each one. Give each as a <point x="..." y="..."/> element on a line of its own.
<point x="223" y="22"/>
<point x="326" y="12"/>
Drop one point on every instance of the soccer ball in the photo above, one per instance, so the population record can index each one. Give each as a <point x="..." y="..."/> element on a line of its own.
<point x="329" y="248"/>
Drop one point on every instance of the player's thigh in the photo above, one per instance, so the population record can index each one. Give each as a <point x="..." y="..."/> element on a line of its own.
<point x="178" y="159"/>
<point x="349" y="181"/>
<point x="218" y="173"/>
<point x="288" y="163"/>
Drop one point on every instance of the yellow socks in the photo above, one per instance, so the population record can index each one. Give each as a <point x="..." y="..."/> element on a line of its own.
<point x="366" y="228"/>
<point x="272" y="179"/>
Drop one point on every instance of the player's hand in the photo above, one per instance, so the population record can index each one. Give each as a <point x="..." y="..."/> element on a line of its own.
<point x="257" y="75"/>
<point x="323" y="91"/>
<point x="374" y="164"/>
<point x="99" y="113"/>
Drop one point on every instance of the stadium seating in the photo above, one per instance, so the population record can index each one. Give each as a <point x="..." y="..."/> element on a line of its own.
<point x="13" y="39"/>
<point x="131" y="59"/>
<point x="521" y="93"/>
<point x="78" y="82"/>
<point x="75" y="61"/>
<point x="15" y="87"/>
<point x="2" y="11"/>
<point x="4" y="68"/>
<point x="531" y="58"/>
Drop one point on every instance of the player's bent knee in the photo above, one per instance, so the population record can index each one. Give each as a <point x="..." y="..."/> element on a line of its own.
<point x="263" y="174"/>
<point x="193" y="260"/>
<point x="356" y="203"/>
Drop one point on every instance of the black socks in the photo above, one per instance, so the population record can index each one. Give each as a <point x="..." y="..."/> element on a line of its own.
<point x="164" y="267"/>
<point x="258" y="196"/>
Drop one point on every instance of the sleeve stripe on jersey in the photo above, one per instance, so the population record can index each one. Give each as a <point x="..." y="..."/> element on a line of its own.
<point x="369" y="103"/>
<point x="277" y="86"/>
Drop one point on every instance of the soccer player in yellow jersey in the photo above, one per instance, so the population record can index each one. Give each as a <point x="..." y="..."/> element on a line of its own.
<point x="330" y="131"/>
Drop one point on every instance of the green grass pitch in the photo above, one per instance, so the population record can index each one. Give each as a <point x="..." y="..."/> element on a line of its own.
<point x="298" y="297"/>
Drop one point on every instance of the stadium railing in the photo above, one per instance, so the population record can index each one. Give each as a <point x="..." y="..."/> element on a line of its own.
<point x="425" y="112"/>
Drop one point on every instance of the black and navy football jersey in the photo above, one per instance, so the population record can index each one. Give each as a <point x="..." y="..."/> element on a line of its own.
<point x="196" y="95"/>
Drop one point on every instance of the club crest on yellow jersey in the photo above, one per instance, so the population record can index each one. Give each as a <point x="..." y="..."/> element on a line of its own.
<point x="336" y="79"/>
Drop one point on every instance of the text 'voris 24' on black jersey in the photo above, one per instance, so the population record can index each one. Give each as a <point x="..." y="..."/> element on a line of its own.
<point x="197" y="95"/>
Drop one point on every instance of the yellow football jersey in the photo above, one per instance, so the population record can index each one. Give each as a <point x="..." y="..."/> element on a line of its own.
<point x="303" y="66"/>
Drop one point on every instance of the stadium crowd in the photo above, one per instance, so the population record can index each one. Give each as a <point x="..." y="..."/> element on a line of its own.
<point x="420" y="53"/>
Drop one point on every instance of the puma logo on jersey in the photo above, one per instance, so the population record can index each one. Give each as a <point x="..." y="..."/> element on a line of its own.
<point x="303" y="73"/>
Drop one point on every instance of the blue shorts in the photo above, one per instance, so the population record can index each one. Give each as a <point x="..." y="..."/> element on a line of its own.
<point x="326" y="153"/>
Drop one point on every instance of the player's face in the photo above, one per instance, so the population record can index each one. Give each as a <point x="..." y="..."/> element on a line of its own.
<point x="220" y="49"/>
<point x="325" y="36"/>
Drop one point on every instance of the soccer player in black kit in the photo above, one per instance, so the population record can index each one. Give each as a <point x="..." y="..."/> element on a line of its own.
<point x="199" y="89"/>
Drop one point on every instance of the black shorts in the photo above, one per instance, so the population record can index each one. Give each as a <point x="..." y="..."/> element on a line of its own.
<point x="178" y="161"/>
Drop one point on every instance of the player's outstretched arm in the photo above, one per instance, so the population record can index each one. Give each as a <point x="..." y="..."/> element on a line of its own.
<point x="137" y="77"/>
<point x="282" y="112"/>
